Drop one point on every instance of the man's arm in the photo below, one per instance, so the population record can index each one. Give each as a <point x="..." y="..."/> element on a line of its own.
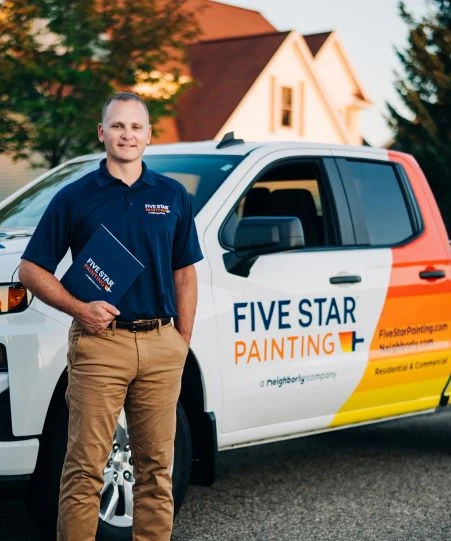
<point x="185" y="282"/>
<point x="93" y="316"/>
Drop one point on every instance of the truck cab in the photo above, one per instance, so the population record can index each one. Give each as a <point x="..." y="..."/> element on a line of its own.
<point x="324" y="302"/>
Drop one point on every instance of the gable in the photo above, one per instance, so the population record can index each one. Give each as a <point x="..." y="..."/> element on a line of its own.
<point x="337" y="71"/>
<point x="259" y="116"/>
<point x="223" y="71"/>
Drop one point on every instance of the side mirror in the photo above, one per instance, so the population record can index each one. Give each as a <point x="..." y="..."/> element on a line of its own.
<point x="258" y="235"/>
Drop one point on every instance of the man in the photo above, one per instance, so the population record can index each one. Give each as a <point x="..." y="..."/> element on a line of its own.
<point x="129" y="355"/>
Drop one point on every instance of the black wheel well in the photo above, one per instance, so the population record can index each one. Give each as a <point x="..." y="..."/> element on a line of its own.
<point x="53" y="441"/>
<point x="202" y="424"/>
<point x="56" y="414"/>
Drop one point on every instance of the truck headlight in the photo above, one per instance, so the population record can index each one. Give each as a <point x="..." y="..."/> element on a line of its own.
<point x="14" y="297"/>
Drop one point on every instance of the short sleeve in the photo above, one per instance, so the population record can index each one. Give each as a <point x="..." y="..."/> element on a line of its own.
<point x="51" y="238"/>
<point x="186" y="249"/>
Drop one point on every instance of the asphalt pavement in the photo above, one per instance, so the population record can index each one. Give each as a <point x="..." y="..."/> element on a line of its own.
<point x="385" y="482"/>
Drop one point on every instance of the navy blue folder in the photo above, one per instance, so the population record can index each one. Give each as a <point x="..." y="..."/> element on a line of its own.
<point x="103" y="270"/>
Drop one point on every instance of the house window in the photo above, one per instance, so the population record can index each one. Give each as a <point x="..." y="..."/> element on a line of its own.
<point x="287" y="106"/>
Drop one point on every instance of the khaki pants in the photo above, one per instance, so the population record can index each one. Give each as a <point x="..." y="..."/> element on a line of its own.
<point x="138" y="371"/>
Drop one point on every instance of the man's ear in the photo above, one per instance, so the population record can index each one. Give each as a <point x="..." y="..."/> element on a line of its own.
<point x="100" y="132"/>
<point x="149" y="135"/>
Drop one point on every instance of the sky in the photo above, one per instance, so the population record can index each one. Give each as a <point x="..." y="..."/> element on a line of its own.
<point x="368" y="30"/>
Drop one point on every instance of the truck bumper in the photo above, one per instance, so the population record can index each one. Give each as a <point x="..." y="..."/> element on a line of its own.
<point x="18" y="458"/>
<point x="17" y="463"/>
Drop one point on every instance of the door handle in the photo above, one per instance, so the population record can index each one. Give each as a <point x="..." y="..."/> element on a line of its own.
<point x="433" y="273"/>
<point x="345" y="279"/>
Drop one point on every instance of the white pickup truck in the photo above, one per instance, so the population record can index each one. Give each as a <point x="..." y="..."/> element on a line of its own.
<point x="324" y="302"/>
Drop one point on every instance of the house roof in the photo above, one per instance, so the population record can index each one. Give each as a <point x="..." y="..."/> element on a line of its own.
<point x="217" y="20"/>
<point x="316" y="41"/>
<point x="224" y="71"/>
<point x="237" y="44"/>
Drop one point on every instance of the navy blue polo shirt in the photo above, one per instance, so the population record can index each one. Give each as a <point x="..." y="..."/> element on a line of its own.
<point x="153" y="218"/>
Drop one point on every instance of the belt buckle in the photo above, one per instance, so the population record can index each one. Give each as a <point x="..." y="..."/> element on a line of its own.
<point x="152" y="324"/>
<point x="134" y="327"/>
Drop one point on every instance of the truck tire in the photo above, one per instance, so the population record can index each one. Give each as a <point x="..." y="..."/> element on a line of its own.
<point x="43" y="492"/>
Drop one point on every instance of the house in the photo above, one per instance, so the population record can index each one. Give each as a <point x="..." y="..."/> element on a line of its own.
<point x="14" y="175"/>
<point x="264" y="84"/>
<point x="252" y="79"/>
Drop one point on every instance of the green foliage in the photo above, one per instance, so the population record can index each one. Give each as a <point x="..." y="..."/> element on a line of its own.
<point x="60" y="59"/>
<point x="426" y="92"/>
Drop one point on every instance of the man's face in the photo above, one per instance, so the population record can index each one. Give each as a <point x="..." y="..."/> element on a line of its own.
<point x="125" y="131"/>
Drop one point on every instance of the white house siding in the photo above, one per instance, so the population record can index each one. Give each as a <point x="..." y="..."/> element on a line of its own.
<point x="258" y="116"/>
<point x="14" y="175"/>
<point x="339" y="82"/>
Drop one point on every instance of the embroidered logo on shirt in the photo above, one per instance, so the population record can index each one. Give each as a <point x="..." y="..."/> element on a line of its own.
<point x="156" y="209"/>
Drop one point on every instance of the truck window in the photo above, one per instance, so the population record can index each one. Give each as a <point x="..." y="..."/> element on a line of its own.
<point x="376" y="194"/>
<point x="200" y="174"/>
<point x="292" y="188"/>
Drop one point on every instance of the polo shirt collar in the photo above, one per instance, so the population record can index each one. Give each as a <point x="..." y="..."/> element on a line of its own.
<point x="104" y="177"/>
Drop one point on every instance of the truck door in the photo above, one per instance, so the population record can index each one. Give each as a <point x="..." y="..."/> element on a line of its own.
<point x="296" y="331"/>
<point x="409" y="357"/>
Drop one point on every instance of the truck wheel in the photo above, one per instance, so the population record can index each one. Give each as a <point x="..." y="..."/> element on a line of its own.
<point x="115" y="517"/>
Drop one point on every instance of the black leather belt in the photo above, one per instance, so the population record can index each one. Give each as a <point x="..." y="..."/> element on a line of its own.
<point x="142" y="325"/>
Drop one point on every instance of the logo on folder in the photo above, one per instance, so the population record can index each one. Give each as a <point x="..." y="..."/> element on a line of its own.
<point x="99" y="276"/>
<point x="103" y="270"/>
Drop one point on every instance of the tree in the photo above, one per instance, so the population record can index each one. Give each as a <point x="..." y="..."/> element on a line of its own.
<point x="60" y="59"/>
<point x="426" y="92"/>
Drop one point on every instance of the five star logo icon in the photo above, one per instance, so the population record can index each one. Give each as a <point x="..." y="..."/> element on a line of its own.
<point x="349" y="341"/>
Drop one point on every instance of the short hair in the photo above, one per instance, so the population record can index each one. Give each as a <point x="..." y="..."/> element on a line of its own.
<point x="123" y="96"/>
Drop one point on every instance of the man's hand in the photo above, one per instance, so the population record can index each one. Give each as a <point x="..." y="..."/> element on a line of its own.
<point x="93" y="316"/>
<point x="96" y="316"/>
<point x="185" y="284"/>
